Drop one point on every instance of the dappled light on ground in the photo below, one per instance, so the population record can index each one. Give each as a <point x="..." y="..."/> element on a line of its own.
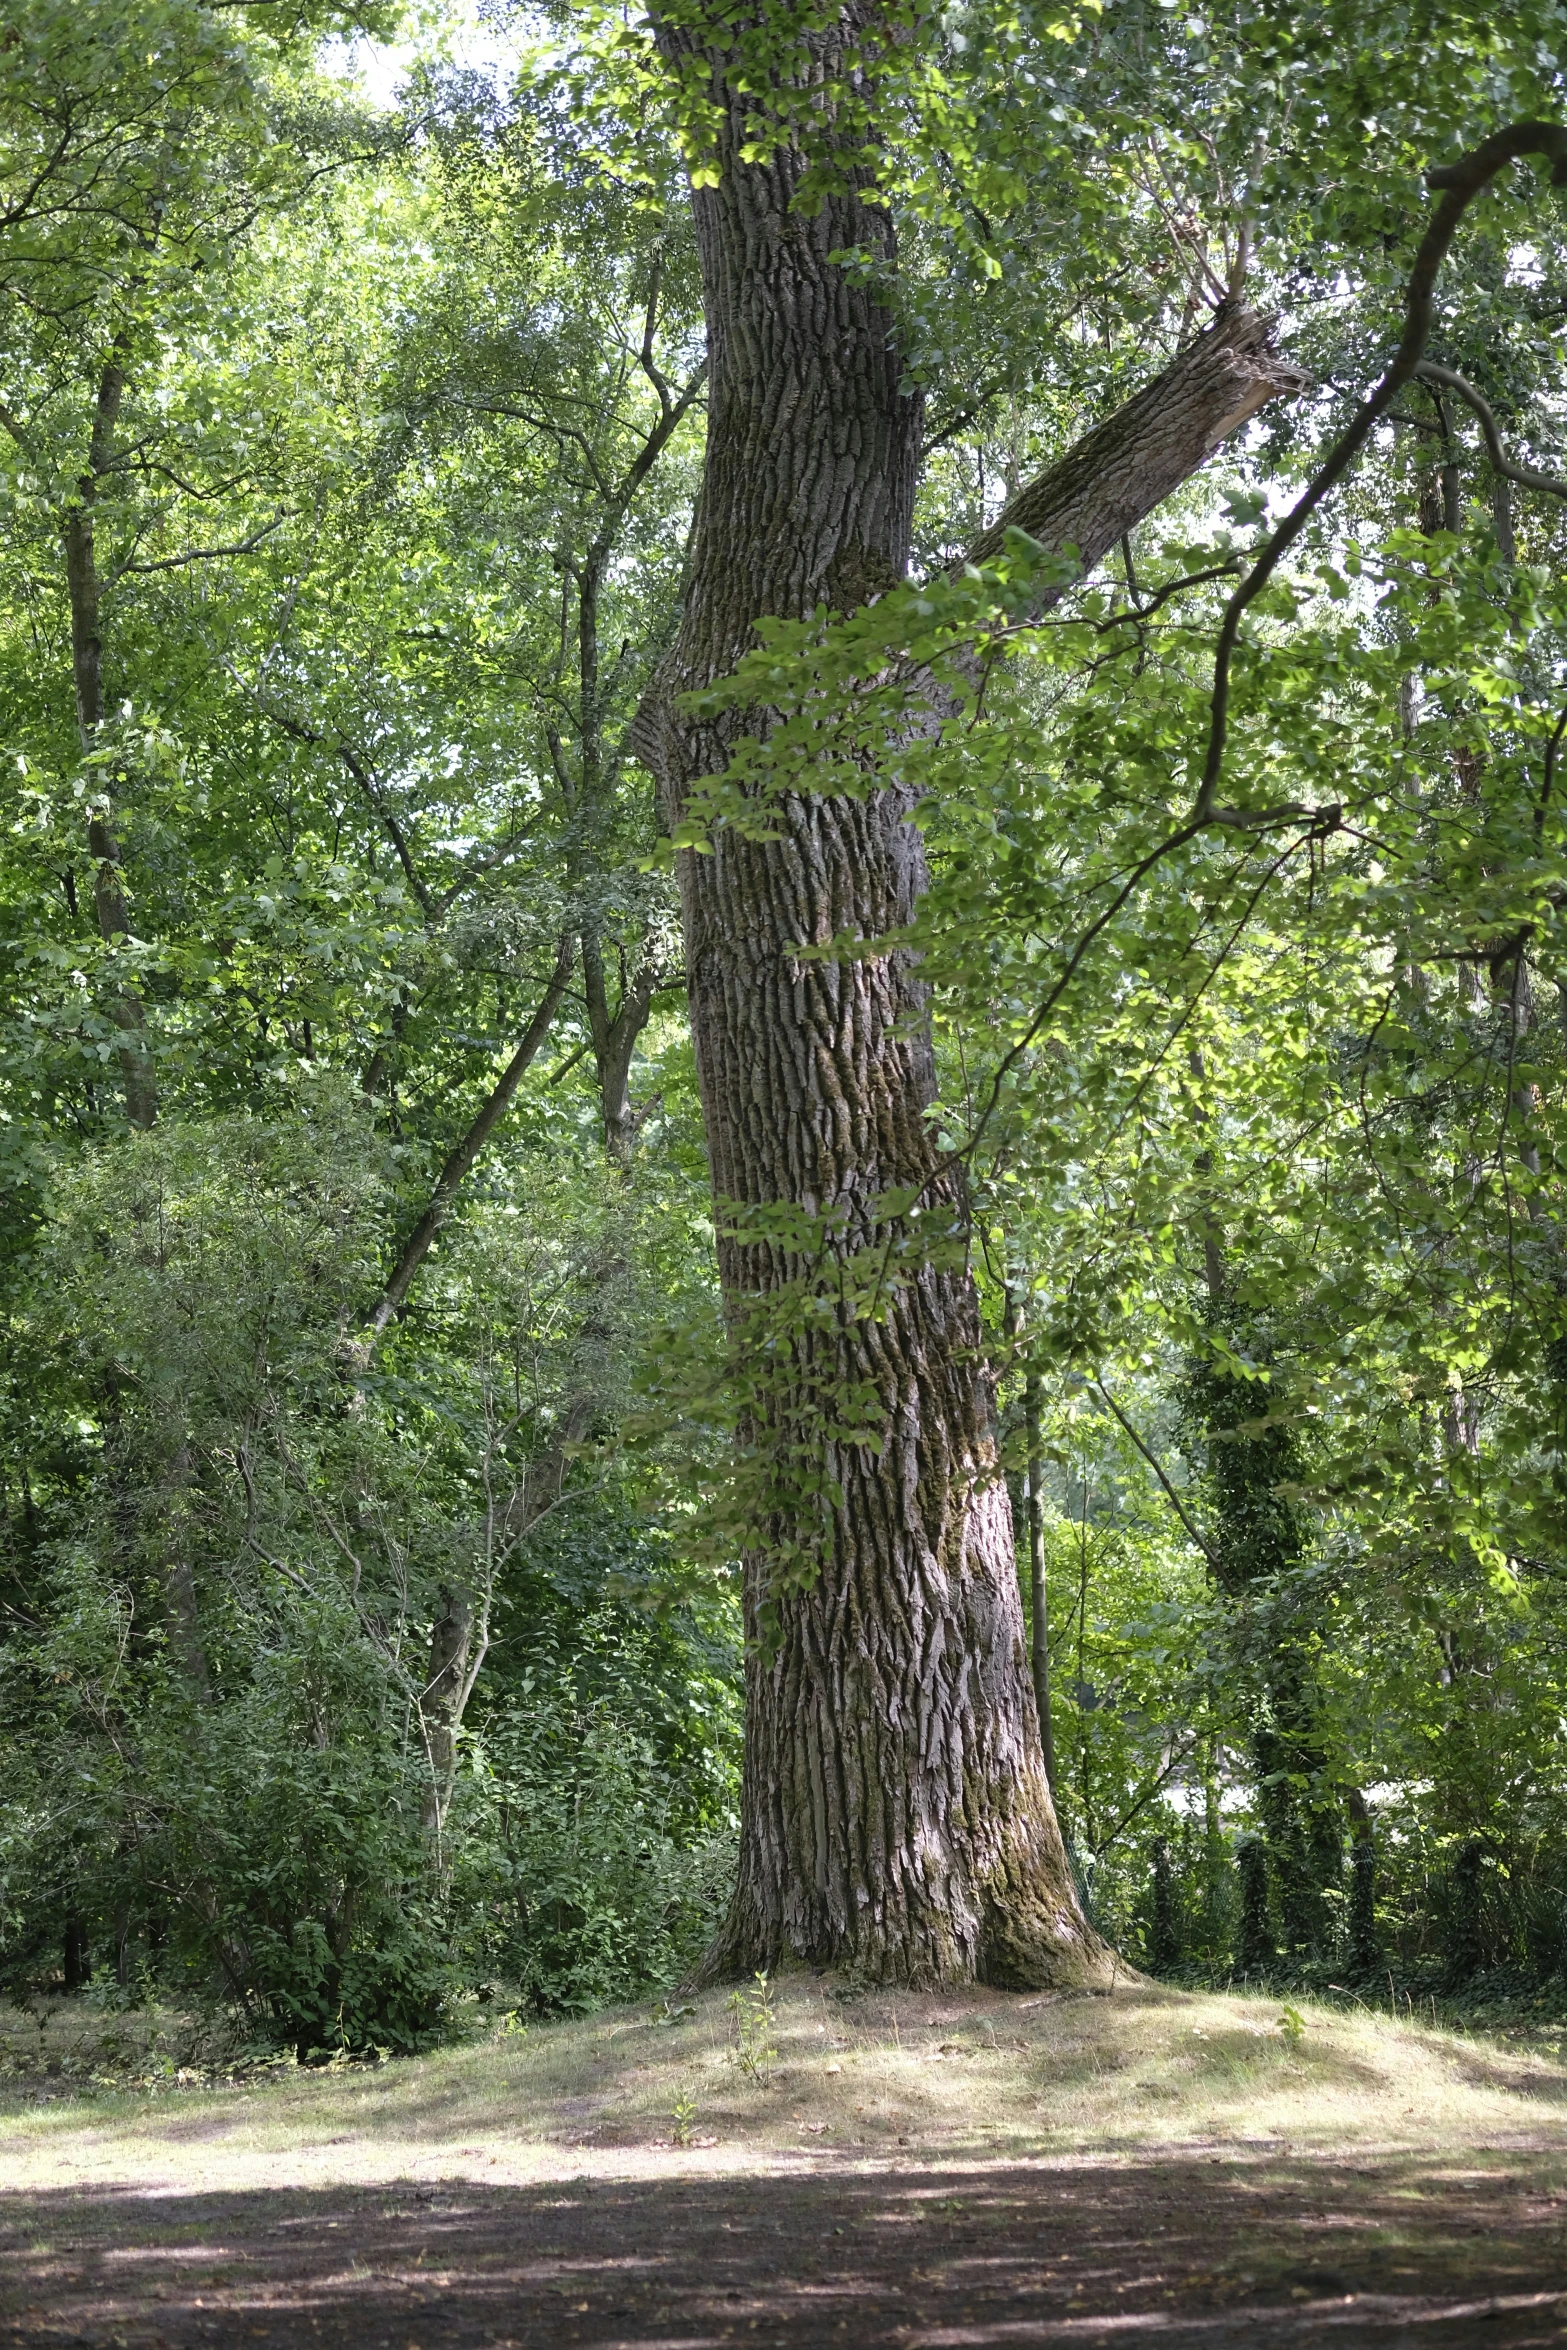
<point x="1174" y="2249"/>
<point x="977" y="2170"/>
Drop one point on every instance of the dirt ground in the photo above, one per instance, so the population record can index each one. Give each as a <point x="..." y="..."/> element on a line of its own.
<point x="1166" y="2251"/>
<point x="1148" y="2170"/>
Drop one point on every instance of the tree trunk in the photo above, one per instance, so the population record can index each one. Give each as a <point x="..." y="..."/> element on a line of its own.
<point x="896" y="1817"/>
<point x="614" y="1039"/>
<point x="1364" y="1942"/>
<point x="589" y="792"/>
<point x="81" y="573"/>
<point x="78" y="1963"/>
<point x="461" y="1628"/>
<point x="1259" y="1541"/>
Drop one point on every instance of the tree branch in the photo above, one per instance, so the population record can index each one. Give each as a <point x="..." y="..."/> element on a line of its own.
<point x="198" y="554"/>
<point x="619" y="499"/>
<point x="418" y="1244"/>
<point x="1524" y="475"/>
<point x="1157" y="1467"/>
<point x="301" y="733"/>
<point x="1125" y="467"/>
<point x="1460" y="183"/>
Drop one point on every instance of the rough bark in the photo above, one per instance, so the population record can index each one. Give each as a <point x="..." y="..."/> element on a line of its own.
<point x="1130" y="464"/>
<point x="896" y="1817"/>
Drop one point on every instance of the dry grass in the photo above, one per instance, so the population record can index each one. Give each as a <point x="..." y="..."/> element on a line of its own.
<point x="853" y="2079"/>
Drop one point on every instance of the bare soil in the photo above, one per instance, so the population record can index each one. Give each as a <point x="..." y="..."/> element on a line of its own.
<point x="784" y="2230"/>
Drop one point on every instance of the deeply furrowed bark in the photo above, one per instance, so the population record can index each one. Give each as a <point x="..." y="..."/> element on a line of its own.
<point x="896" y="1818"/>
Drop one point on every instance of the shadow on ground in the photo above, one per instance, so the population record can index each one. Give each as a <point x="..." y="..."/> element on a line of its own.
<point x="1242" y="2247"/>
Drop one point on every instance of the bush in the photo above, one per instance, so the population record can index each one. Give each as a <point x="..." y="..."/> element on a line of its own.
<point x="219" y="1772"/>
<point x="597" y="1820"/>
<point x="585" y="1891"/>
<point x="294" y="1856"/>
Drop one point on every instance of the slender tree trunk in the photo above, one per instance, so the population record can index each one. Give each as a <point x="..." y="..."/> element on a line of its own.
<point x="615" y="1037"/>
<point x="1038" y="1587"/>
<point x="1364" y="1943"/>
<point x="896" y="1816"/>
<point x="81" y="572"/>
<point x="1259" y="1540"/>
<point x="459" y="1643"/>
<point x="181" y="1609"/>
<point x="449" y="1182"/>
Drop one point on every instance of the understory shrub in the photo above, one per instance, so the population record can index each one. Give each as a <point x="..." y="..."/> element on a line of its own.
<point x="598" y="1817"/>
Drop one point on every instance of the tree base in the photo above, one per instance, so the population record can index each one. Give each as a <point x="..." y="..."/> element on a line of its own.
<point x="1035" y="1943"/>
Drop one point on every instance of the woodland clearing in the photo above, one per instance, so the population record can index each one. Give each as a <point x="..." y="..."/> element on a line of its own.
<point x="989" y="2168"/>
<point x="783" y="1172"/>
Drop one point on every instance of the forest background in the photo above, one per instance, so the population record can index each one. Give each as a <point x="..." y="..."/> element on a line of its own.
<point x="377" y="1459"/>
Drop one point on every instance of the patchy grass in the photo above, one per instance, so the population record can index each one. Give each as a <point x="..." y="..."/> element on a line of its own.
<point x="91" y="2098"/>
<point x="804" y="2171"/>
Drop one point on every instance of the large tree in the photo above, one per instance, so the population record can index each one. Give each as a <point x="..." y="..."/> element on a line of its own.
<point x="897" y="1819"/>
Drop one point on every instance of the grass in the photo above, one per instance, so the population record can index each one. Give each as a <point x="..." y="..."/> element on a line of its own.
<point x="93" y="2099"/>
